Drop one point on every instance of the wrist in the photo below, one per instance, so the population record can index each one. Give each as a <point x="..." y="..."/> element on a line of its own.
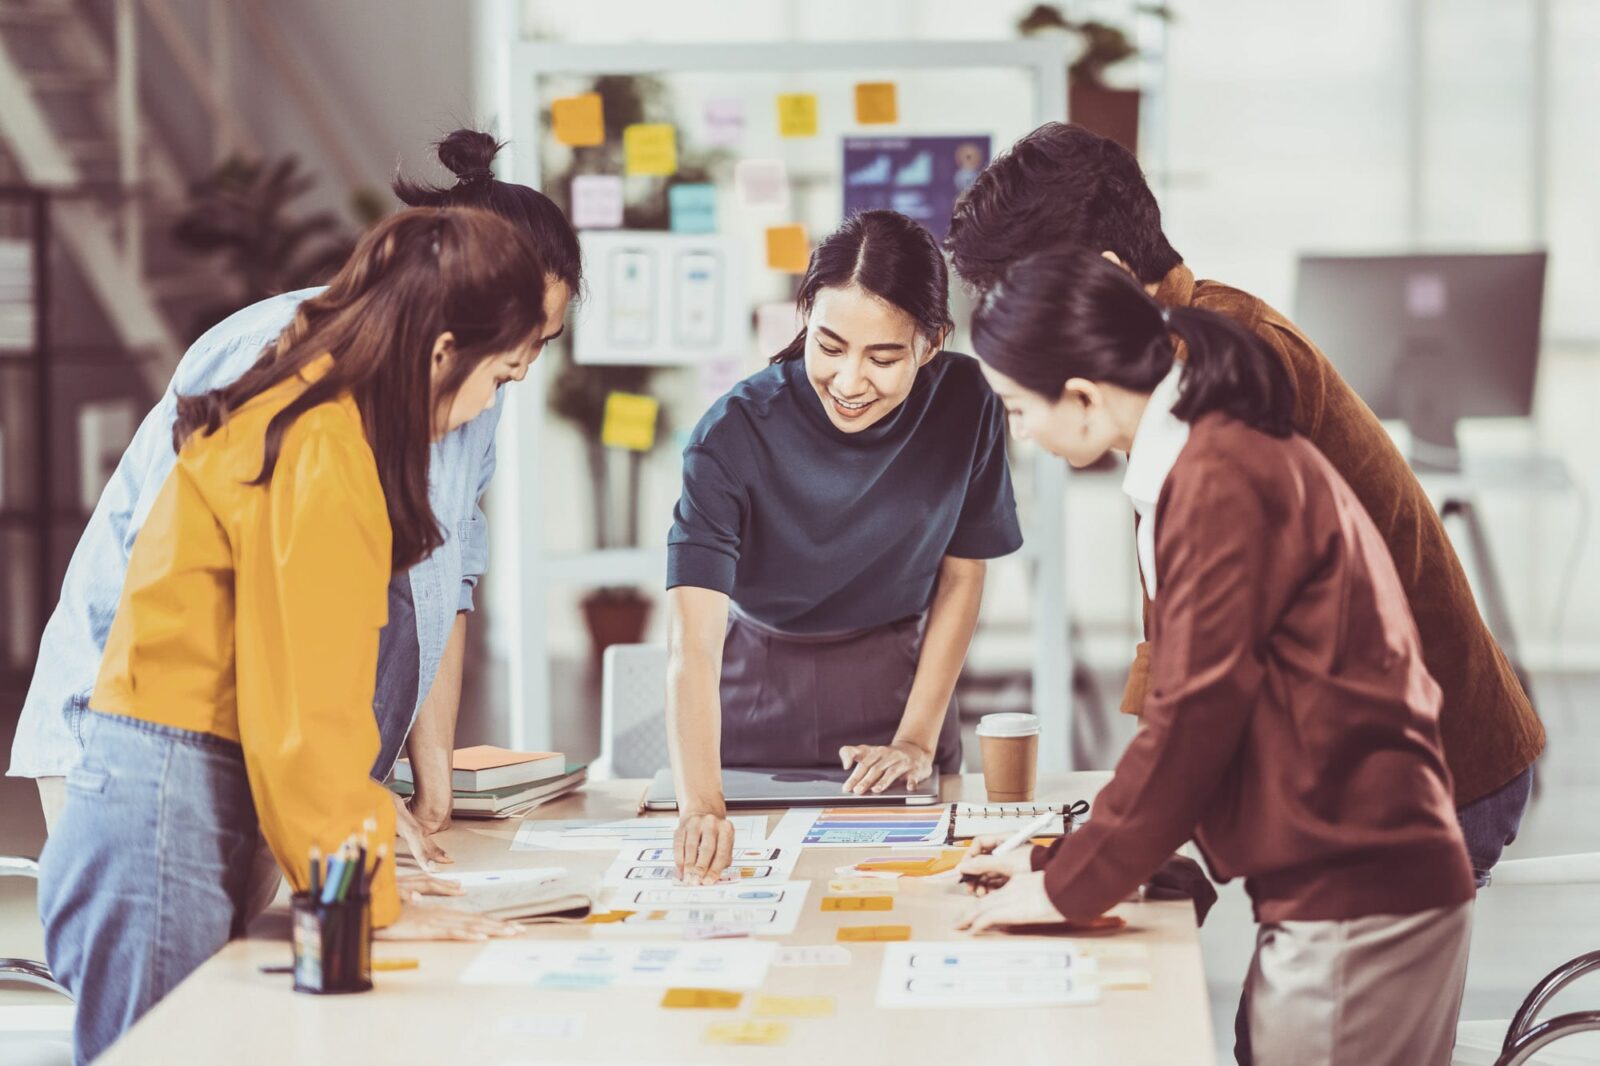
<point x="925" y="748"/>
<point x="712" y="804"/>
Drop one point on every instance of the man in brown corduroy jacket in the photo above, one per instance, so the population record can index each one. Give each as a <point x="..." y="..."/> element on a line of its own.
<point x="1064" y="186"/>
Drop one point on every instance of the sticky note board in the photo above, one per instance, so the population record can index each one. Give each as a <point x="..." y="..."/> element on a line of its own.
<point x="787" y="249"/>
<point x="701" y="999"/>
<point x="630" y="422"/>
<point x="793" y="1007"/>
<point x="858" y="903"/>
<point x="693" y="208"/>
<point x="650" y="148"/>
<point x="746" y="1033"/>
<point x="797" y="114"/>
<point x="761" y="183"/>
<point x="578" y="120"/>
<point x="872" y="933"/>
<point x="597" y="201"/>
<point x="877" y="103"/>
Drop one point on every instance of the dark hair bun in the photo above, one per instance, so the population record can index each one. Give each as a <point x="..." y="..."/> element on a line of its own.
<point x="467" y="152"/>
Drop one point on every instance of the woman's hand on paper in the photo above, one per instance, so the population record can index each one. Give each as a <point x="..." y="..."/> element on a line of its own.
<point x="994" y="870"/>
<point x="1021" y="901"/>
<point x="425" y="884"/>
<point x="435" y="921"/>
<point x="416" y="839"/>
<point x="702" y="847"/>
<point x="878" y="766"/>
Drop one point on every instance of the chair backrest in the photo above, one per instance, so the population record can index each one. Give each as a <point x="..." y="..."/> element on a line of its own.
<point x="633" y="711"/>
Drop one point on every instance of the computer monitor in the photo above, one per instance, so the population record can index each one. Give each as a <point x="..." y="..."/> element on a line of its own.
<point x="1428" y="338"/>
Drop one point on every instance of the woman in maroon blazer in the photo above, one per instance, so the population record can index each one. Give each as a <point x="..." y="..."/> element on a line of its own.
<point x="1292" y="728"/>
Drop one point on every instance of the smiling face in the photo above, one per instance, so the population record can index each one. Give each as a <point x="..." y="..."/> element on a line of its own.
<point x="477" y="393"/>
<point x="862" y="355"/>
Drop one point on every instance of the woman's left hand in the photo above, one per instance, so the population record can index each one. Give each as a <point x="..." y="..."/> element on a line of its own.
<point x="880" y="765"/>
<point x="1022" y="901"/>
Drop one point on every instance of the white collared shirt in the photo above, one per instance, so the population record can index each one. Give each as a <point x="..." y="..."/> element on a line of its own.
<point x="1157" y="443"/>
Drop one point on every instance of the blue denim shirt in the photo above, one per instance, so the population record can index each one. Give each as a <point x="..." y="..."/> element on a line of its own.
<point x="48" y="737"/>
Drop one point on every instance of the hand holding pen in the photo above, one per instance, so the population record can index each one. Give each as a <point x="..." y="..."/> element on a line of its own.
<point x="992" y="861"/>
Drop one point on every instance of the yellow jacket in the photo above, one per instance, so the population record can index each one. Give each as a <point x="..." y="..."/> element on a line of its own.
<point x="252" y="613"/>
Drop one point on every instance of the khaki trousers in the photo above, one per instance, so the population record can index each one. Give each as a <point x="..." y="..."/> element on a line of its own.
<point x="1377" y="991"/>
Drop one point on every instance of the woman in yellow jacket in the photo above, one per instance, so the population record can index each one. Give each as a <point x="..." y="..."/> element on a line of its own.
<point x="236" y="688"/>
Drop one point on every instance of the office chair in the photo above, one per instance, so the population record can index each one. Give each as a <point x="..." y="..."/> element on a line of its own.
<point x="1524" y="1039"/>
<point x="33" y="1034"/>
<point x="633" y="712"/>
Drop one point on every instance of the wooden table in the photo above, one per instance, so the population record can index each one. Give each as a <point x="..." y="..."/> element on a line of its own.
<point x="228" y="1012"/>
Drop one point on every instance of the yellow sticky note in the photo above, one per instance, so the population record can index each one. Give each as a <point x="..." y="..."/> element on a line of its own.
<point x="391" y="965"/>
<point x="578" y="120"/>
<point x="1123" y="978"/>
<point x="793" y="1007"/>
<point x="630" y="422"/>
<point x="748" y="1033"/>
<point x="797" y="114"/>
<point x="850" y="933"/>
<point x="857" y="903"/>
<point x="607" y="917"/>
<point x="787" y="249"/>
<point x="702" y="998"/>
<point x="650" y="148"/>
<point x="876" y="103"/>
<point x="863" y="886"/>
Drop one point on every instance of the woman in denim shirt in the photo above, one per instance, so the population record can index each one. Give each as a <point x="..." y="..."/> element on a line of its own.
<point x="420" y="654"/>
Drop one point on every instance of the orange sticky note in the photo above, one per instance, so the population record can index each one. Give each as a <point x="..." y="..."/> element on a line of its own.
<point x="702" y="998"/>
<point x="797" y="114"/>
<point x="849" y="933"/>
<point x="607" y="917"/>
<point x="877" y="103"/>
<point x="650" y="148"/>
<point x="578" y="120"/>
<point x="787" y="249"/>
<point x="857" y="903"/>
<point x="748" y="1033"/>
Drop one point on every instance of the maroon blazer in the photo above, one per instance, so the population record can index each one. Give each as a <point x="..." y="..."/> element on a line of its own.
<point x="1291" y="726"/>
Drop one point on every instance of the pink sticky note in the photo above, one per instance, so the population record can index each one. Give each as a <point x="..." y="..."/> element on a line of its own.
<point x="597" y="201"/>
<point x="724" y="122"/>
<point x="762" y="182"/>
<point x="776" y="325"/>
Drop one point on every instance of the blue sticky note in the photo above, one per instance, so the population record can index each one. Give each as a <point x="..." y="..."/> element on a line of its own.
<point x="694" y="208"/>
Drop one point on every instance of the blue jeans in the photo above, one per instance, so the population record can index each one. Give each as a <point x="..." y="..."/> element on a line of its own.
<point x="146" y="874"/>
<point x="1491" y="823"/>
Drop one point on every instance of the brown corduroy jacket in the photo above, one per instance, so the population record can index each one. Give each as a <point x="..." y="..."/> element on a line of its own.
<point x="1490" y="730"/>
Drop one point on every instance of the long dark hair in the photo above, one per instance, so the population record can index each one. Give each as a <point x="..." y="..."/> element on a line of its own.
<point x="1060" y="187"/>
<point x="415" y="275"/>
<point x="469" y="155"/>
<point x="1061" y="315"/>
<point x="888" y="255"/>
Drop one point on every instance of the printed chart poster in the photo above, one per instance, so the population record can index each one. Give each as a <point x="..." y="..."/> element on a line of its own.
<point x="917" y="176"/>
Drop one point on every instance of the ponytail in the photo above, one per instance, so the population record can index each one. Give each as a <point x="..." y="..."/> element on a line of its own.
<point x="1062" y="315"/>
<point x="1229" y="369"/>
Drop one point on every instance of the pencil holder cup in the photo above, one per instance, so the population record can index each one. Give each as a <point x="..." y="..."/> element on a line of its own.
<point x="332" y="945"/>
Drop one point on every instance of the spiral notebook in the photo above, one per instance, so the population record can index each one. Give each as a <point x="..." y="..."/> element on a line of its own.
<point x="968" y="820"/>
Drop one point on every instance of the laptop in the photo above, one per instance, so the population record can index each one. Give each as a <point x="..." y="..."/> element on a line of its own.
<point x="748" y="786"/>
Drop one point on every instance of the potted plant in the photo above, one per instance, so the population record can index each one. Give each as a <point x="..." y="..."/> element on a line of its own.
<point x="578" y="392"/>
<point x="242" y="214"/>
<point x="1091" y="103"/>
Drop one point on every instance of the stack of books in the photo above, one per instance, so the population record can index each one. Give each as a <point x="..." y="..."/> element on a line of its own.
<point x="491" y="782"/>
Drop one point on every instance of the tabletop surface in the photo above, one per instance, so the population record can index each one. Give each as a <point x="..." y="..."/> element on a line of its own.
<point x="227" y="1011"/>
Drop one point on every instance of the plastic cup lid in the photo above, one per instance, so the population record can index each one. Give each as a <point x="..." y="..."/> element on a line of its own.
<point x="1010" y="724"/>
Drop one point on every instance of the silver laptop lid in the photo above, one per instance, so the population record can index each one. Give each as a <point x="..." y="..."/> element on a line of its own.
<point x="793" y="787"/>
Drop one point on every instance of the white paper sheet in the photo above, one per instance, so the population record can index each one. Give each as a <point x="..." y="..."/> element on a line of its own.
<point x="548" y="835"/>
<point x="766" y="909"/>
<point x="575" y="964"/>
<point x="761" y="864"/>
<point x="967" y="973"/>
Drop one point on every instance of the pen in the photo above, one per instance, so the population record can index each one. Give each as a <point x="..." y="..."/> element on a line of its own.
<point x="316" y="872"/>
<point x="372" y="874"/>
<point x="1015" y="840"/>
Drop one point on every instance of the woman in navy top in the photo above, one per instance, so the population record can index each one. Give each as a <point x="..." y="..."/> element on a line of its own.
<point x="826" y="560"/>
